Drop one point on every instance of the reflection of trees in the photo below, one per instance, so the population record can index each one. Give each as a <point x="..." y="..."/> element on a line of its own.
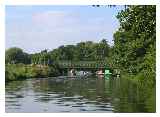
<point x="124" y="95"/>
<point x="129" y="96"/>
<point x="13" y="95"/>
<point x="91" y="89"/>
<point x="14" y="86"/>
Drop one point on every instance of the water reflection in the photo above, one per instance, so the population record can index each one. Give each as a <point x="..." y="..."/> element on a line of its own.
<point x="79" y="95"/>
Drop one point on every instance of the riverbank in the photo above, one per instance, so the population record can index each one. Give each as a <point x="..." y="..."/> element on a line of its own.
<point x="22" y="71"/>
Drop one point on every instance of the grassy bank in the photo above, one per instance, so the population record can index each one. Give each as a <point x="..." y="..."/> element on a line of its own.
<point x="21" y="71"/>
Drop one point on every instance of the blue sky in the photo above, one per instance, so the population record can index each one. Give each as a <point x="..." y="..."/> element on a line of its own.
<point x="35" y="28"/>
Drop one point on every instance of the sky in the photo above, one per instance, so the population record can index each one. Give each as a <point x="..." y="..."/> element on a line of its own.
<point x="35" y="28"/>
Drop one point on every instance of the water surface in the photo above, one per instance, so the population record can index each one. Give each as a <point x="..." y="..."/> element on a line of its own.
<point x="79" y="95"/>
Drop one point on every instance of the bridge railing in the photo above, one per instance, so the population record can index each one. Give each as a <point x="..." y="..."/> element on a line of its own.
<point x="83" y="64"/>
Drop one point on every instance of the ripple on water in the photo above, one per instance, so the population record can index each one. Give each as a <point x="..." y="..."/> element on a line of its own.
<point x="14" y="105"/>
<point x="91" y="102"/>
<point x="9" y="97"/>
<point x="12" y="109"/>
<point x="105" y="109"/>
<point x="58" y="103"/>
<point x="14" y="96"/>
<point x="65" y="111"/>
<point x="73" y="98"/>
<point x="47" y="97"/>
<point x="78" y="106"/>
<point x="11" y="101"/>
<point x="64" y="104"/>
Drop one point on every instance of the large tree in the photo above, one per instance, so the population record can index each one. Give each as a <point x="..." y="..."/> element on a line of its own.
<point x="135" y="40"/>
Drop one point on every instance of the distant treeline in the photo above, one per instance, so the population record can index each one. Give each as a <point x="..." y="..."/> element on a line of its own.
<point x="87" y="51"/>
<point x="133" y="52"/>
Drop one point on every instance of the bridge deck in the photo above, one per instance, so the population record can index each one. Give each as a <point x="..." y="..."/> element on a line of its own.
<point x="82" y="64"/>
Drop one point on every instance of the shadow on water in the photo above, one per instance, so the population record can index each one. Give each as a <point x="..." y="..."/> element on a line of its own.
<point x="79" y="95"/>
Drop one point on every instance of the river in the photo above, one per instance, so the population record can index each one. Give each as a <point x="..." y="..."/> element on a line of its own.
<point x="79" y="95"/>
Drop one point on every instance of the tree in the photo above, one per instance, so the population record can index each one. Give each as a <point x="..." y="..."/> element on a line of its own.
<point x="16" y="55"/>
<point x="134" y="42"/>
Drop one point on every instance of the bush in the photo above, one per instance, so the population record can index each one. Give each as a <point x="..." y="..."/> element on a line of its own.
<point x="21" y="71"/>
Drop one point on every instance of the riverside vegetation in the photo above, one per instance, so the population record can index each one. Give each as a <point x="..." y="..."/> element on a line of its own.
<point x="133" y="52"/>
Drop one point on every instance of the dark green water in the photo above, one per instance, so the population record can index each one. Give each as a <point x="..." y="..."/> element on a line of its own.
<point x="79" y="95"/>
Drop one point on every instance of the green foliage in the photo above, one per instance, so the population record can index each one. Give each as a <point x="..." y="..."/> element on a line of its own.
<point x="43" y="58"/>
<point x="22" y="71"/>
<point x="15" y="72"/>
<point x="82" y="51"/>
<point x="134" y="48"/>
<point x="87" y="51"/>
<point x="16" y="55"/>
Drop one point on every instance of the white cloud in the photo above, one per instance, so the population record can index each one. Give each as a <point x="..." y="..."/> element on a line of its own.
<point x="51" y="29"/>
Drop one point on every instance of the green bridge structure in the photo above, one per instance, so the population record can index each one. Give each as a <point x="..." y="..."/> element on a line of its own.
<point x="83" y="65"/>
<point x="92" y="66"/>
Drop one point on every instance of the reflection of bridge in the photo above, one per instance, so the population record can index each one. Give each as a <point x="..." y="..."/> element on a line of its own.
<point x="83" y="64"/>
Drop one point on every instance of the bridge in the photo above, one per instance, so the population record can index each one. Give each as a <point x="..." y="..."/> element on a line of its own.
<point x="92" y="66"/>
<point x="83" y="64"/>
